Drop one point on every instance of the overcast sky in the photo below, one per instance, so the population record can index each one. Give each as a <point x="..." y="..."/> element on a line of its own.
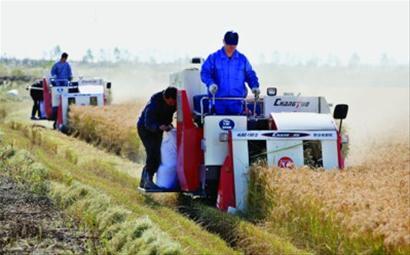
<point x="167" y="30"/>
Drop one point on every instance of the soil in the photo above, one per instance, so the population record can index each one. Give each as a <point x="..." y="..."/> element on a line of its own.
<point x="30" y="224"/>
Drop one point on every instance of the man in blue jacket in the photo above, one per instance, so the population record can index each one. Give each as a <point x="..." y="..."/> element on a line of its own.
<point x="61" y="71"/>
<point x="225" y="73"/>
<point x="153" y="121"/>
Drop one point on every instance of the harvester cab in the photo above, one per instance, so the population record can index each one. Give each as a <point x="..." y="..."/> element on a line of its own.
<point x="215" y="152"/>
<point x="59" y="94"/>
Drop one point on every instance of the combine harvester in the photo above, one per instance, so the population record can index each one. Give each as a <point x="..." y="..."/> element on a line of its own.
<point x="58" y="95"/>
<point x="214" y="152"/>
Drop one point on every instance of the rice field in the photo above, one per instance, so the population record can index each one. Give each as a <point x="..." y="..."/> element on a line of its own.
<point x="364" y="208"/>
<point x="112" y="127"/>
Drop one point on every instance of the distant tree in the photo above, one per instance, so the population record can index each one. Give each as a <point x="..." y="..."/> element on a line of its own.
<point x="385" y="60"/>
<point x="3" y="56"/>
<point x="117" y="54"/>
<point x="290" y="59"/>
<point x="313" y="61"/>
<point x="152" y="60"/>
<point x="354" y="60"/>
<point x="275" y="58"/>
<point x="136" y="60"/>
<point x="56" y="52"/>
<point x="88" y="57"/>
<point x="104" y="56"/>
<point x="333" y="61"/>
<point x="126" y="56"/>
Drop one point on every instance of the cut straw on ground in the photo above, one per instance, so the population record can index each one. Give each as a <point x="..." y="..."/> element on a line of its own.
<point x="121" y="188"/>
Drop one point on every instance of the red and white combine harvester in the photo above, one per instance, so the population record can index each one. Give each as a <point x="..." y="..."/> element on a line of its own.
<point x="58" y="95"/>
<point x="215" y="152"/>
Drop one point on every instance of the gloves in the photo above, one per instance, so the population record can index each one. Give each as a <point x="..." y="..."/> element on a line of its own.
<point x="213" y="89"/>
<point x="256" y="91"/>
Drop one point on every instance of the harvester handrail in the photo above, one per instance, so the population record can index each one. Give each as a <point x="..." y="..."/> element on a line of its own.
<point x="55" y="79"/>
<point x="64" y="82"/>
<point x="68" y="82"/>
<point x="243" y="99"/>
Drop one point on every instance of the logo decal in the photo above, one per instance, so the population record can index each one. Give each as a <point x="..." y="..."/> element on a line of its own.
<point x="285" y="134"/>
<point x="296" y="104"/>
<point x="286" y="162"/>
<point x="226" y="124"/>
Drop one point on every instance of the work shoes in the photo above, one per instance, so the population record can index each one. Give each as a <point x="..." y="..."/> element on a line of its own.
<point x="144" y="177"/>
<point x="147" y="181"/>
<point x="150" y="185"/>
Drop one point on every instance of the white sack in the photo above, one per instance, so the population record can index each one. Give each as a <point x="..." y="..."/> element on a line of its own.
<point x="167" y="171"/>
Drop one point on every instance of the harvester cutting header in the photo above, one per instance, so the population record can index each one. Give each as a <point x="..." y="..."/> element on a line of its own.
<point x="220" y="131"/>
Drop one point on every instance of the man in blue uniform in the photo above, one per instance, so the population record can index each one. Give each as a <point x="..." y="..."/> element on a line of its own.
<point x="61" y="71"/>
<point x="225" y="73"/>
<point x="153" y="121"/>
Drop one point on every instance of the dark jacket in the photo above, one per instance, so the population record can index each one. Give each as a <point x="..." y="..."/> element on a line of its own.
<point x="36" y="91"/>
<point x="156" y="113"/>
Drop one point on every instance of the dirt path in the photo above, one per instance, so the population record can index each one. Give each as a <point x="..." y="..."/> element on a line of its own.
<point x="30" y="224"/>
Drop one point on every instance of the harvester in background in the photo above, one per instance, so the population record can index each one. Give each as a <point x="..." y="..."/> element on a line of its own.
<point x="214" y="152"/>
<point x="59" y="94"/>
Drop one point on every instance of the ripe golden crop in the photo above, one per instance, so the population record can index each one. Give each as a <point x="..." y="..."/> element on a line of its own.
<point x="112" y="127"/>
<point x="369" y="201"/>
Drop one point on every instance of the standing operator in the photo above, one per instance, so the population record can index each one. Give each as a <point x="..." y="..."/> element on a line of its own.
<point x="61" y="71"/>
<point x="225" y="73"/>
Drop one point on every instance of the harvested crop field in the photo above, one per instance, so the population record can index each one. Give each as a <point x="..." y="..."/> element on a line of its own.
<point x="96" y="192"/>
<point x="31" y="224"/>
